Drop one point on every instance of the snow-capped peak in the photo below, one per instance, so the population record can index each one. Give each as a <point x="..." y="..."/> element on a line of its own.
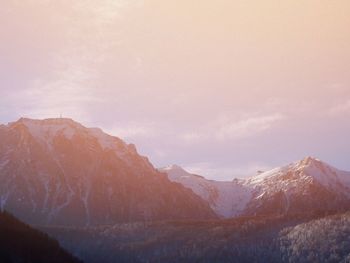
<point x="176" y="172"/>
<point x="302" y="172"/>
<point x="296" y="167"/>
<point x="227" y="199"/>
<point x="173" y="167"/>
<point x="48" y="122"/>
<point x="46" y="130"/>
<point x="49" y="128"/>
<point x="324" y="173"/>
<point x="309" y="161"/>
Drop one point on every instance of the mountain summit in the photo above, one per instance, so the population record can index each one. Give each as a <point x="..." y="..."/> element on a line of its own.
<point x="305" y="185"/>
<point x="56" y="171"/>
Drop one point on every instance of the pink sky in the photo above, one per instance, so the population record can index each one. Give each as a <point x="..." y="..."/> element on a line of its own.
<point x="223" y="88"/>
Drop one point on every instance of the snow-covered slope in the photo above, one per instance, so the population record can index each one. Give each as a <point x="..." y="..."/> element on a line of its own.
<point x="56" y="171"/>
<point x="227" y="199"/>
<point x="306" y="185"/>
<point x="304" y="171"/>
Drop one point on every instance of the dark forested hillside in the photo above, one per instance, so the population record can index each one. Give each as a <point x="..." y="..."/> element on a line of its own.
<point x="315" y="237"/>
<point x="322" y="240"/>
<point x="22" y="243"/>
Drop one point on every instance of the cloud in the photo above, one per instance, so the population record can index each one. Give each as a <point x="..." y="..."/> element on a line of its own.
<point x="100" y="14"/>
<point x="226" y="173"/>
<point x="193" y="137"/>
<point x="247" y="127"/>
<point x="133" y="131"/>
<point x="67" y="91"/>
<point x="343" y="108"/>
<point x="225" y="128"/>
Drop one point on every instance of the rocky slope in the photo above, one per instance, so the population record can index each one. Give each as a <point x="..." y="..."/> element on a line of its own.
<point x="309" y="184"/>
<point x="56" y="171"/>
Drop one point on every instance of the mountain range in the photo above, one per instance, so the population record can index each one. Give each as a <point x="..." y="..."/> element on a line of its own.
<point x="306" y="185"/>
<point x="102" y="200"/>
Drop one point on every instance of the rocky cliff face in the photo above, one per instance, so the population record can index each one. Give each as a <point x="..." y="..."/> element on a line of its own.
<point x="56" y="171"/>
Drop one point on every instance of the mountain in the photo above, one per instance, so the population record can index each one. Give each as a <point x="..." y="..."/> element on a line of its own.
<point x="22" y="243"/>
<point x="227" y="199"/>
<point x="56" y="171"/>
<point x="306" y="185"/>
<point x="274" y="239"/>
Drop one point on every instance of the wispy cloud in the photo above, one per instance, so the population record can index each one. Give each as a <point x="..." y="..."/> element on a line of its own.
<point x="119" y="64"/>
<point x="67" y="90"/>
<point x="193" y="137"/>
<point x="342" y="108"/>
<point x="133" y="131"/>
<point x="74" y="57"/>
<point x="225" y="128"/>
<point x="247" y="127"/>
<point x="226" y="173"/>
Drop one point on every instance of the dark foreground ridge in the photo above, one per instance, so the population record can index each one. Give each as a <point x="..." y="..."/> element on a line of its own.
<point x="22" y="243"/>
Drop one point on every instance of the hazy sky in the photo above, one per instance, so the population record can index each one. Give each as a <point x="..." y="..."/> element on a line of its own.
<point x="223" y="88"/>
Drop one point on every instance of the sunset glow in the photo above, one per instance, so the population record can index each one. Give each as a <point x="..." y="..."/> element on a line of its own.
<point x="138" y="131"/>
<point x="223" y="88"/>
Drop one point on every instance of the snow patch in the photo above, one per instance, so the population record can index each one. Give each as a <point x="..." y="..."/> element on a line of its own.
<point x="49" y="129"/>
<point x="3" y="163"/>
<point x="3" y="200"/>
<point x="46" y="130"/>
